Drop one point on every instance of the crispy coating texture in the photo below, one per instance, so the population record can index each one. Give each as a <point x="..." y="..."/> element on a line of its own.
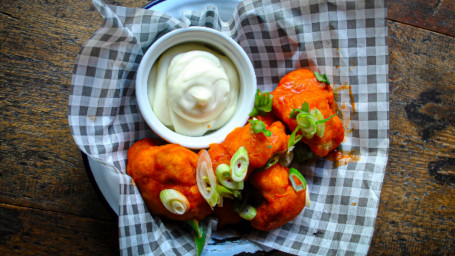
<point x="260" y="148"/>
<point x="279" y="202"/>
<point x="301" y="86"/>
<point x="268" y="119"/>
<point x="154" y="168"/>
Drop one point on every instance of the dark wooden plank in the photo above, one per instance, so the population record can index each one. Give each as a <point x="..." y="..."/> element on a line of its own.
<point x="418" y="196"/>
<point x="25" y="231"/>
<point x="41" y="166"/>
<point x="435" y="15"/>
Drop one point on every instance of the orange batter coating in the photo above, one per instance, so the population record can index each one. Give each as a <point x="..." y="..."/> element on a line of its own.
<point x="268" y="119"/>
<point x="279" y="203"/>
<point x="154" y="168"/>
<point x="301" y="86"/>
<point x="260" y="148"/>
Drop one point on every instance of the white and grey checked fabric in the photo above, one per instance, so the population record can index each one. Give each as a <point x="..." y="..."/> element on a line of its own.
<point x="347" y="40"/>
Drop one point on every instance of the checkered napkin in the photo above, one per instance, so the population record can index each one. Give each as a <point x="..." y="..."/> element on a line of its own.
<point x="344" y="39"/>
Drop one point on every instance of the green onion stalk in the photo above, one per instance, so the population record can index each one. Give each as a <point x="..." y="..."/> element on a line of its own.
<point x="308" y="123"/>
<point x="294" y="175"/>
<point x="262" y="103"/>
<point x="258" y="126"/>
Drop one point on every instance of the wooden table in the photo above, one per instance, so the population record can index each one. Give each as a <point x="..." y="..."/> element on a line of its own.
<point x="49" y="206"/>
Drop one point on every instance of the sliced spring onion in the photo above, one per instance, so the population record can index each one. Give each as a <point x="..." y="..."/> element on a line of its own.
<point x="322" y="78"/>
<point x="174" y="201"/>
<point x="206" y="180"/>
<point x="320" y="127"/>
<point x="262" y="103"/>
<point x="294" y="138"/>
<point x="258" y="126"/>
<point x="239" y="165"/>
<point x="286" y="159"/>
<point x="224" y="192"/>
<point x="295" y="112"/>
<point x="307" y="124"/>
<point x="293" y="175"/>
<point x="305" y="107"/>
<point x="200" y="240"/>
<point x="223" y="174"/>
<point x="272" y="161"/>
<point x="194" y="223"/>
<point x="247" y="212"/>
<point x="320" y="123"/>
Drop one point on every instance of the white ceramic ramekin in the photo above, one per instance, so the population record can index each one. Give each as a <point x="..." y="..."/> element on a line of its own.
<point x="213" y="39"/>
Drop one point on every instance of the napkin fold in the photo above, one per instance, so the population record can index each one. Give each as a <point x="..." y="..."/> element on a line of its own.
<point x="346" y="40"/>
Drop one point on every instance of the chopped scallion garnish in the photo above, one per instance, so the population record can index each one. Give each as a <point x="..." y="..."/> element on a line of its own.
<point x="174" y="201"/>
<point x="262" y="103"/>
<point x="194" y="223"/>
<point x="294" y="138"/>
<point x="322" y="78"/>
<point x="293" y="175"/>
<point x="247" y="212"/>
<point x="206" y="180"/>
<point x="309" y="123"/>
<point x="224" y="192"/>
<point x="200" y="240"/>
<point x="223" y="174"/>
<point x="272" y="161"/>
<point x="258" y="126"/>
<point x="239" y="165"/>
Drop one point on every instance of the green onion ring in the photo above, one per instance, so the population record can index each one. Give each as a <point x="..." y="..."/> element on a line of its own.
<point x="272" y="161"/>
<point x="322" y="77"/>
<point x="174" y="201"/>
<point x="307" y="124"/>
<point x="223" y="174"/>
<point x="206" y="180"/>
<point x="262" y="103"/>
<point x="239" y="165"/>
<point x="320" y="127"/>
<point x="247" y="212"/>
<point x="293" y="173"/>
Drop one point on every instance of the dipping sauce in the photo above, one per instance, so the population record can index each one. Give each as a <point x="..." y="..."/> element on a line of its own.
<point x="193" y="89"/>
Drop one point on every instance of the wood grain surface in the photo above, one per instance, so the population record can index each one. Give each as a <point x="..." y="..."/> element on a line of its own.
<point x="48" y="205"/>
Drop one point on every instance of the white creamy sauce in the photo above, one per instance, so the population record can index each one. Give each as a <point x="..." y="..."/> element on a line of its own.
<point x="193" y="89"/>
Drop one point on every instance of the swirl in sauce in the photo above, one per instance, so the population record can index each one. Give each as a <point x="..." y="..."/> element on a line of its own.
<point x="193" y="89"/>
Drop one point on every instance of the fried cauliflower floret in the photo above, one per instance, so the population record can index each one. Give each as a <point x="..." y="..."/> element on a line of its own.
<point x="301" y="86"/>
<point x="155" y="168"/>
<point x="279" y="203"/>
<point x="260" y="149"/>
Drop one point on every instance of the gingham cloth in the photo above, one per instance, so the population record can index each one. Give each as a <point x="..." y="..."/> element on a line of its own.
<point x="347" y="40"/>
